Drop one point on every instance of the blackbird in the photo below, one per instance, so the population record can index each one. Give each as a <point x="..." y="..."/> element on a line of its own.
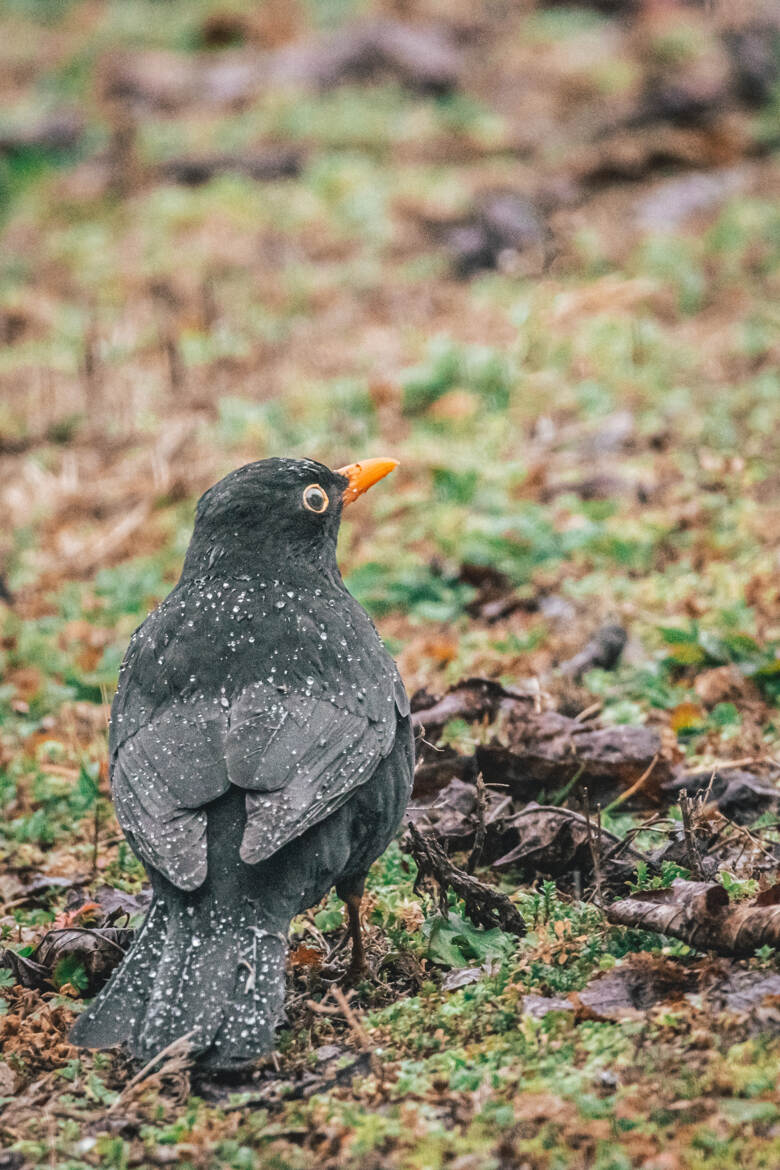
<point x="261" y="752"/>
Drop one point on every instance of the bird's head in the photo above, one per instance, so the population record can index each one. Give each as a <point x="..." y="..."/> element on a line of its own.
<point x="276" y="511"/>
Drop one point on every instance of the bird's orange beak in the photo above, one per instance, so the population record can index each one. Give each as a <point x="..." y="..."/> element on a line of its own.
<point x="364" y="475"/>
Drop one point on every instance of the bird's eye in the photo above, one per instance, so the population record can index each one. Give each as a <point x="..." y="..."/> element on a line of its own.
<point x="315" y="498"/>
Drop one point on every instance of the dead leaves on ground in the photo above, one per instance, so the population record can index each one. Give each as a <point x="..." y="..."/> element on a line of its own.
<point x="523" y="799"/>
<point x="645" y="982"/>
<point x="75" y="961"/>
<point x="421" y="58"/>
<point x="78" y="953"/>
<point x="33" y="1033"/>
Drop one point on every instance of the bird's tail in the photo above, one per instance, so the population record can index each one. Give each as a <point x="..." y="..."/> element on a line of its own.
<point x="208" y="964"/>
<point x="212" y="973"/>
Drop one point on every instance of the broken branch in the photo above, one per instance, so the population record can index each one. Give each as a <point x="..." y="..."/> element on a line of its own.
<point x="484" y="905"/>
<point x="701" y="915"/>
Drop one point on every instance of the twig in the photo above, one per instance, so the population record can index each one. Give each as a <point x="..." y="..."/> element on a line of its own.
<point x="724" y="765"/>
<point x="741" y="831"/>
<point x="650" y="826"/>
<point x="690" y="837"/>
<point x="595" y="850"/>
<point x="95" y="837"/>
<point x="345" y="1009"/>
<point x="350" y="1016"/>
<point x="359" y="1031"/>
<point x="480" y="810"/>
<point x="635" y="787"/>
<point x="321" y="1009"/>
<point x="484" y="905"/>
<point x="180" y="1047"/>
<point x="586" y="712"/>
<point x="93" y="930"/>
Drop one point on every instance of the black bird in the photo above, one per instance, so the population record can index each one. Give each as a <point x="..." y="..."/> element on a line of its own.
<point x="261" y="752"/>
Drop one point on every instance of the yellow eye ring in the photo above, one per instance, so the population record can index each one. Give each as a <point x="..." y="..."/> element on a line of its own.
<point x="315" y="498"/>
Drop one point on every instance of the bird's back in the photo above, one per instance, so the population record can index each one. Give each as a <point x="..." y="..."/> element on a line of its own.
<point x="282" y="690"/>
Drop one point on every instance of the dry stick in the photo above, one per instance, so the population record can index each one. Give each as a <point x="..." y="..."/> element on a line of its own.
<point x="650" y="824"/>
<point x="742" y="831"/>
<point x="635" y="787"/>
<point x="177" y="1048"/>
<point x="173" y="358"/>
<point x="594" y="850"/>
<point x="479" y="837"/>
<point x="320" y="1009"/>
<point x="91" y="370"/>
<point x="691" y="846"/>
<point x="95" y="837"/>
<point x="700" y="914"/>
<point x="51" y="1137"/>
<point x="350" y="1016"/>
<point x="485" y="905"/>
<point x="586" y="712"/>
<point x="723" y="765"/>
<point x="345" y="1009"/>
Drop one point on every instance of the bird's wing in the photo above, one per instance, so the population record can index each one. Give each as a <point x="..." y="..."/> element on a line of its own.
<point x="162" y="777"/>
<point x="167" y="751"/>
<point x="297" y="753"/>
<point x="299" y="756"/>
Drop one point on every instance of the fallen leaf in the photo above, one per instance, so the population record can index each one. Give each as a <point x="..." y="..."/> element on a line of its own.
<point x="739" y="795"/>
<point x="472" y="698"/>
<point x="304" y="956"/>
<point x="633" y="987"/>
<point x="555" y="841"/>
<point x="538" y="1006"/>
<point x="82" y="956"/>
<point x="84" y="915"/>
<point x="462" y="976"/>
<point x="686" y="716"/>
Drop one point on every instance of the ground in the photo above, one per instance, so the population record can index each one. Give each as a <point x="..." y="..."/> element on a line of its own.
<point x="533" y="257"/>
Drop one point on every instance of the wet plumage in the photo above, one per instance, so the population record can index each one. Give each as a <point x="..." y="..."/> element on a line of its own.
<point x="261" y="752"/>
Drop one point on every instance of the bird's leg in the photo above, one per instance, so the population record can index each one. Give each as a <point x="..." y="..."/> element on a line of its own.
<point x="353" y="897"/>
<point x="357" y="964"/>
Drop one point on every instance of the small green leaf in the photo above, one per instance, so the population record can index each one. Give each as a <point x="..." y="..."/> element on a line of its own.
<point x="674" y="636"/>
<point x="455" y="942"/>
<point x="331" y="918"/>
<point x="70" y="970"/>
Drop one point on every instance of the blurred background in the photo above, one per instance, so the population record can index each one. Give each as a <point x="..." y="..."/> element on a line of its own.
<point x="530" y="250"/>
<point x="526" y="248"/>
